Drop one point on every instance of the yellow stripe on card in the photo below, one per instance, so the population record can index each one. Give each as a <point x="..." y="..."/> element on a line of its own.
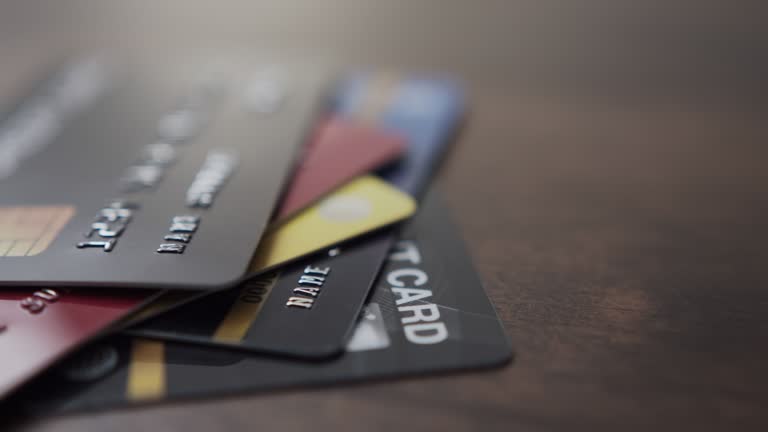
<point x="146" y="374"/>
<point x="364" y="204"/>
<point x="246" y="309"/>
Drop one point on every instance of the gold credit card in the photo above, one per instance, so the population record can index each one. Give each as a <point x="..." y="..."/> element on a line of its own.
<point x="362" y="205"/>
<point x="28" y="231"/>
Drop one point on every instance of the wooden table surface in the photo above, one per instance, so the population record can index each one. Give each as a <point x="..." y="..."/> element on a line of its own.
<point x="611" y="184"/>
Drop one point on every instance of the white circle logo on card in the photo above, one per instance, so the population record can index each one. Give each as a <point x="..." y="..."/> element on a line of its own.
<point x="346" y="208"/>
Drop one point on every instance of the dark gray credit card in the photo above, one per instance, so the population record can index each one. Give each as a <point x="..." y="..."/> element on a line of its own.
<point x="428" y="313"/>
<point x="269" y="314"/>
<point x="139" y="176"/>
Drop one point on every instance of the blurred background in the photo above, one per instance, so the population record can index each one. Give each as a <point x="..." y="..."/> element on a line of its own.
<point x="561" y="47"/>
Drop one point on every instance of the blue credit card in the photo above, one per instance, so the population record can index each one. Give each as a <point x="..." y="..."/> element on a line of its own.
<point x="424" y="112"/>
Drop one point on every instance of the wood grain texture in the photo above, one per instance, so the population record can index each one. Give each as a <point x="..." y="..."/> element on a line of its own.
<point x="611" y="184"/>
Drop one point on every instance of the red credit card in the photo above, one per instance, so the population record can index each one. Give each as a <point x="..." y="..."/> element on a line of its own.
<point x="37" y="328"/>
<point x="339" y="151"/>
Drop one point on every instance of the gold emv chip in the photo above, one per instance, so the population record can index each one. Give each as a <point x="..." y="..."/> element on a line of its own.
<point x="28" y="231"/>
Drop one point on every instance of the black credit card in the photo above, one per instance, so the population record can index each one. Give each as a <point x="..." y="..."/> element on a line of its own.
<point x="428" y="313"/>
<point x="326" y="292"/>
<point x="306" y="310"/>
<point x="136" y="176"/>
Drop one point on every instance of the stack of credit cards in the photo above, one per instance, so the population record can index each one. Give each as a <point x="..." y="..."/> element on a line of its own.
<point x="184" y="231"/>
